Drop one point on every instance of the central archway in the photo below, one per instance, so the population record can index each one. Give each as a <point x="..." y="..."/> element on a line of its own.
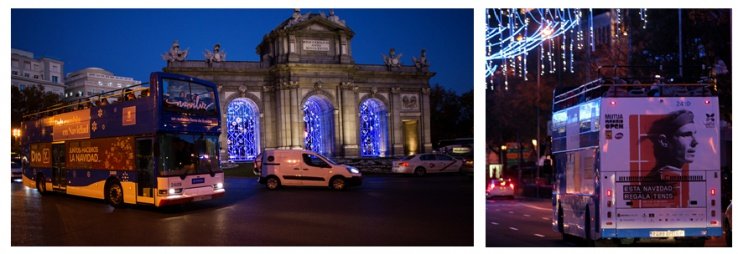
<point x="242" y="120"/>
<point x="373" y="128"/>
<point x="318" y="117"/>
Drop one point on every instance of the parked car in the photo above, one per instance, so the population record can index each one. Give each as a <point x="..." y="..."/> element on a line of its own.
<point x="16" y="169"/>
<point x="277" y="168"/>
<point x="427" y="163"/>
<point x="501" y="188"/>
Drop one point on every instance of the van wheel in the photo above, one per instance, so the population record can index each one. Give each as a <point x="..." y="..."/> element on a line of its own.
<point x="41" y="184"/>
<point x="272" y="183"/>
<point x="114" y="194"/>
<point x="338" y="183"/>
<point x="420" y="171"/>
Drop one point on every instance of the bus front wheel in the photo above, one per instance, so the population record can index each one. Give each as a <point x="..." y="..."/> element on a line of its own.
<point x="114" y="194"/>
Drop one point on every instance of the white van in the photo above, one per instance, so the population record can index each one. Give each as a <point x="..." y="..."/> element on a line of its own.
<point x="303" y="168"/>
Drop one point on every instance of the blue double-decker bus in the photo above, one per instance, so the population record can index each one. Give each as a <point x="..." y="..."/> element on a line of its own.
<point x="153" y="144"/>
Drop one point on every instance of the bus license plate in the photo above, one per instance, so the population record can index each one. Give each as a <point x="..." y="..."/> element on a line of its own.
<point x="201" y="198"/>
<point x="667" y="233"/>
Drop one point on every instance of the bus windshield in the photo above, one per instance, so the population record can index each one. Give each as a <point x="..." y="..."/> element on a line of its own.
<point x="187" y="97"/>
<point x="187" y="154"/>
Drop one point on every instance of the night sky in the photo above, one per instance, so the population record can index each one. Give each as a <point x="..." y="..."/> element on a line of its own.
<point x="130" y="42"/>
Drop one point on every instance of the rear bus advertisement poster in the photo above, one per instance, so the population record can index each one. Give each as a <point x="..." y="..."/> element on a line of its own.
<point x="661" y="150"/>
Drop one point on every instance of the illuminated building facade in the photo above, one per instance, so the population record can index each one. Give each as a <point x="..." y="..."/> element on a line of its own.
<point x="306" y="92"/>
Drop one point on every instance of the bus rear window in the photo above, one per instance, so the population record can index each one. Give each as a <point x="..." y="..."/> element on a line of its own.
<point x="187" y="97"/>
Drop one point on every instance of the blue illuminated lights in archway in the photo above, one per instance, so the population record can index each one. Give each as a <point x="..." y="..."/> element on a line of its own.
<point x="318" y="117"/>
<point x="373" y="128"/>
<point x="243" y="130"/>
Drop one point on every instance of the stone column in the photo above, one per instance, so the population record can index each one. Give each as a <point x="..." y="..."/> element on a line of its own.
<point x="282" y="116"/>
<point x="348" y="98"/>
<point x="295" y="122"/>
<point x="396" y="139"/>
<point x="267" y="119"/>
<point x="425" y="128"/>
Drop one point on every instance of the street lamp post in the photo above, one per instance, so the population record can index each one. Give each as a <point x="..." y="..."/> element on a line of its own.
<point x="503" y="151"/>
<point x="546" y="34"/>
<point x="538" y="171"/>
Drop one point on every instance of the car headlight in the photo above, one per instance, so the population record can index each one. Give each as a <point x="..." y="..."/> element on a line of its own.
<point x="353" y="170"/>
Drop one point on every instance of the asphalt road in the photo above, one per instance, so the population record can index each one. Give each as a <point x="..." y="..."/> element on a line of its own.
<point x="526" y="222"/>
<point x="385" y="211"/>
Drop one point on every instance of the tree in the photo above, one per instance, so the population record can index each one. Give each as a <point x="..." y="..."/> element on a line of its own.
<point x="452" y="116"/>
<point x="29" y="100"/>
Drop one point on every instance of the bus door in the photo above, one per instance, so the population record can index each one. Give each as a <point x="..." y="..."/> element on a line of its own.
<point x="146" y="178"/>
<point x="58" y="167"/>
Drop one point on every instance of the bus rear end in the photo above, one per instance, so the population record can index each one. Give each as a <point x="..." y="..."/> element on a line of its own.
<point x="660" y="176"/>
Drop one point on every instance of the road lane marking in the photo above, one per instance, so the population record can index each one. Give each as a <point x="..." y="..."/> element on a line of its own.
<point x="539" y="235"/>
<point x="510" y="212"/>
<point x="526" y="215"/>
<point x="494" y="223"/>
<point x="514" y="229"/>
<point x="537" y="208"/>
<point x="545" y="218"/>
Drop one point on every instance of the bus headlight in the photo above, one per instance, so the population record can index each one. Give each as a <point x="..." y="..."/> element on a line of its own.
<point x="175" y="191"/>
<point x="218" y="186"/>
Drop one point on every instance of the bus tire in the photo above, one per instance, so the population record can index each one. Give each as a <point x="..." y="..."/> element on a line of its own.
<point x="338" y="183"/>
<point x="587" y="230"/>
<point x="114" y="194"/>
<point x="420" y="171"/>
<point x="272" y="183"/>
<point x="41" y="184"/>
<point x="560" y="221"/>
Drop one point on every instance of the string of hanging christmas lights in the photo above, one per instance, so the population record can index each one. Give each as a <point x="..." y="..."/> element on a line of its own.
<point x="373" y="124"/>
<point x="513" y="33"/>
<point x="313" y="128"/>
<point x="243" y="121"/>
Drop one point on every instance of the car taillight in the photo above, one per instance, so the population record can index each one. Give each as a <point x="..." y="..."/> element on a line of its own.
<point x="491" y="186"/>
<point x="512" y="186"/>
<point x="404" y="164"/>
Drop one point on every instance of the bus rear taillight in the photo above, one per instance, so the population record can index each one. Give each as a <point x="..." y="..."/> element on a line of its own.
<point x="712" y="191"/>
<point x="609" y="193"/>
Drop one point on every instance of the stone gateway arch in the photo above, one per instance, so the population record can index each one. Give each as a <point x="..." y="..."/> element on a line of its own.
<point x="306" y="92"/>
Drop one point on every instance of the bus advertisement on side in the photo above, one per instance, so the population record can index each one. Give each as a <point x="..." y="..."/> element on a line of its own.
<point x="660" y="167"/>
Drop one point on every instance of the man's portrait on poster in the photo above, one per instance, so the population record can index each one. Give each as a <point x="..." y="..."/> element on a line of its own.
<point x="674" y="144"/>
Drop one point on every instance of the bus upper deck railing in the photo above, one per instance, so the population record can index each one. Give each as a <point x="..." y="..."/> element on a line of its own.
<point x="600" y="88"/>
<point x="134" y="92"/>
